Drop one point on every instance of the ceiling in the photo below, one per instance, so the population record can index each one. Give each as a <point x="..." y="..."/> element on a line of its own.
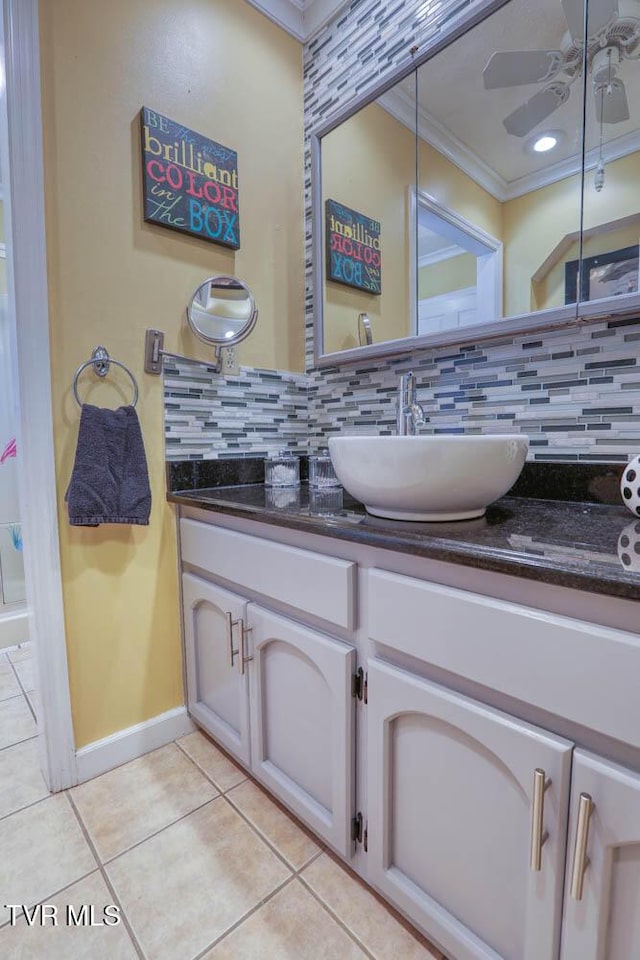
<point x="465" y="121"/>
<point x="301" y="18"/>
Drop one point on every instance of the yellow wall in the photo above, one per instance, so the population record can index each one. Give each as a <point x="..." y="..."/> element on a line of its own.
<point x="456" y="273"/>
<point x="452" y="188"/>
<point x="537" y="221"/>
<point x="368" y="164"/>
<point x="224" y="70"/>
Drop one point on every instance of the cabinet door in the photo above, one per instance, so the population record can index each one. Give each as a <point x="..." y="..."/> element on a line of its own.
<point x="605" y="923"/>
<point x="217" y="692"/>
<point x="302" y="716"/>
<point x="450" y="811"/>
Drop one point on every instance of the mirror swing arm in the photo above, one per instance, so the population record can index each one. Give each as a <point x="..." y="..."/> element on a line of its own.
<point x="154" y="354"/>
<point x="216" y="314"/>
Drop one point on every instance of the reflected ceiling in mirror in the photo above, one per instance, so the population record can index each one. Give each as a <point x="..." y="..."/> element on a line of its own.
<point x="222" y="311"/>
<point x="500" y="128"/>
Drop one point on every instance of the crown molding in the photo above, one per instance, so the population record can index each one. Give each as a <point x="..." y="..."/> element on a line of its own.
<point x="445" y="253"/>
<point x="317" y="13"/>
<point x="401" y="106"/>
<point x="288" y="14"/>
<point x="301" y="18"/>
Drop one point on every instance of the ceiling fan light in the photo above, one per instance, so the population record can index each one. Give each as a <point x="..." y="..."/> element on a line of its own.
<point x="545" y="142"/>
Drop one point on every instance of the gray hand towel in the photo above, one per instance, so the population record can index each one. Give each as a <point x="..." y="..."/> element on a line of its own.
<point x="110" y="481"/>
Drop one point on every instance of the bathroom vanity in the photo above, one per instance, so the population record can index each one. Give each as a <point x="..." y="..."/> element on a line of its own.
<point x="452" y="708"/>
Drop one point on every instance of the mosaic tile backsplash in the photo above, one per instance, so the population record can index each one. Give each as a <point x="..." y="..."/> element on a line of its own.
<point x="574" y="392"/>
<point x="208" y="416"/>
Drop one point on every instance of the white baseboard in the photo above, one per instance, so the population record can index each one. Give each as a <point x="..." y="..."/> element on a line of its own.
<point x="133" y="742"/>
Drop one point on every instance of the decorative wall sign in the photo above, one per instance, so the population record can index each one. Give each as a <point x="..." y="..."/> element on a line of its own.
<point x="353" y="248"/>
<point x="190" y="183"/>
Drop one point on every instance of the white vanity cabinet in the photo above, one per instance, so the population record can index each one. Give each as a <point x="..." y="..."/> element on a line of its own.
<point x="456" y="814"/>
<point x="500" y="838"/>
<point x="274" y="692"/>
<point x="602" y="889"/>
<point x="470" y="770"/>
<point x="302" y="722"/>
<point x="217" y="692"/>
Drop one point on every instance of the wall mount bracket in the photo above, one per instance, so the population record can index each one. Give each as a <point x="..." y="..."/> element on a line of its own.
<point x="154" y="354"/>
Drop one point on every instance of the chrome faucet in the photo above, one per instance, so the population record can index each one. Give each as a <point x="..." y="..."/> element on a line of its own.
<point x="409" y="413"/>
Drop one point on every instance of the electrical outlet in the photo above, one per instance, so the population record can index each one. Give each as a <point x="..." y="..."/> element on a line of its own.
<point x="229" y="362"/>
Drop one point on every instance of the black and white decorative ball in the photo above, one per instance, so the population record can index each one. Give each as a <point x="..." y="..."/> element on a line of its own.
<point x="629" y="547"/>
<point x="630" y="486"/>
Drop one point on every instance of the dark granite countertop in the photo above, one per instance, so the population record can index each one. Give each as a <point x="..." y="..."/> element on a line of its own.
<point x="582" y="545"/>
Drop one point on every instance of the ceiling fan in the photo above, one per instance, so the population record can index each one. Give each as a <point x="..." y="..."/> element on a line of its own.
<point x="613" y="36"/>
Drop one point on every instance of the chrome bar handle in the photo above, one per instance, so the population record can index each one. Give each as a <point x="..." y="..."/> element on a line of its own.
<point x="580" y="861"/>
<point x="538" y="838"/>
<point x="231" y="623"/>
<point x="242" y="660"/>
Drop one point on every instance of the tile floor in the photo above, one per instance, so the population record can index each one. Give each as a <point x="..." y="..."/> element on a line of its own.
<point x="195" y="859"/>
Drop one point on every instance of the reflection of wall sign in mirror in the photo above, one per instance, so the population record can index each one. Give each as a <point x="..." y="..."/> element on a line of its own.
<point x="353" y="248"/>
<point x="190" y="183"/>
<point x="606" y="275"/>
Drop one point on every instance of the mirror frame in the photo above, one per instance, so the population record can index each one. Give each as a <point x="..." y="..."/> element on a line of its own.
<point x="549" y="319"/>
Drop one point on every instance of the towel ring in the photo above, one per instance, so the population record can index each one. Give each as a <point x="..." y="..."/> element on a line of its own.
<point x="100" y="361"/>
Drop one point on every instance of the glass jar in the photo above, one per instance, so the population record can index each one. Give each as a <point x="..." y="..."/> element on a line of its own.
<point x="325" y="501"/>
<point x="321" y="472"/>
<point x="282" y="470"/>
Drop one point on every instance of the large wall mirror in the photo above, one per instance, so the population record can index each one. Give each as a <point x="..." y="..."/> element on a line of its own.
<point x="469" y="172"/>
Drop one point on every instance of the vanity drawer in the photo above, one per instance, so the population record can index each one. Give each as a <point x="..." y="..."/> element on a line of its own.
<point x="310" y="582"/>
<point x="579" y="671"/>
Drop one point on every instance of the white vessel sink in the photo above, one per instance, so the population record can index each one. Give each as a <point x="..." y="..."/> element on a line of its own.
<point x="428" y="477"/>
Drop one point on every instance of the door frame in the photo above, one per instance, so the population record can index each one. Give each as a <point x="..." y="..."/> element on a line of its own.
<point x="488" y="251"/>
<point x="22" y="159"/>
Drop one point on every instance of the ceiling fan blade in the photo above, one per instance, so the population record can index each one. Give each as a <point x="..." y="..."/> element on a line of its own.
<point x="574" y="15"/>
<point x="515" y="67"/>
<point x="599" y="14"/>
<point x="611" y="102"/>
<point x="535" y="110"/>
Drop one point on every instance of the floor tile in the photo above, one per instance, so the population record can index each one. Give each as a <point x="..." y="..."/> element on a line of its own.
<point x="290" y="926"/>
<point x="184" y="887"/>
<point x="128" y="804"/>
<point x="21" y="782"/>
<point x="274" y="824"/>
<point x="43" y="850"/>
<point x="9" y="686"/>
<point x="66" y="941"/>
<point x="23" y="652"/>
<point x="26" y="672"/>
<point x="223" y="771"/>
<point x="16" y="721"/>
<point x="368" y="918"/>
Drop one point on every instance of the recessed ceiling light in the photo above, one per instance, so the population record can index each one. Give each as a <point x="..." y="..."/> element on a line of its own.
<point x="546" y="142"/>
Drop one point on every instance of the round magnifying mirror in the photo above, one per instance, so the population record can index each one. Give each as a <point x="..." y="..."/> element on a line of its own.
<point x="222" y="311"/>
